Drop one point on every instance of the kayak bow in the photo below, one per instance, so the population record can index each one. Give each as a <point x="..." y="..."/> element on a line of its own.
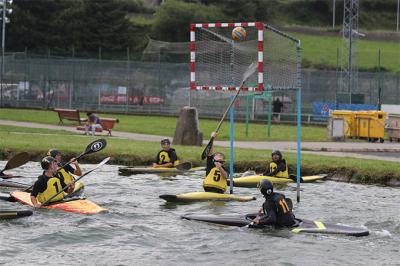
<point x="205" y="196"/>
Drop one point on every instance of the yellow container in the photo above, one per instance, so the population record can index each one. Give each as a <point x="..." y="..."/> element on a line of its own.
<point x="370" y="124"/>
<point x="349" y="121"/>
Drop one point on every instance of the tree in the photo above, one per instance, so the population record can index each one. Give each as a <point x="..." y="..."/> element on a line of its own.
<point x="173" y="18"/>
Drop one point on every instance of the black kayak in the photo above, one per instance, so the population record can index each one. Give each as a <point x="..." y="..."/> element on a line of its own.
<point x="301" y="226"/>
<point x="12" y="214"/>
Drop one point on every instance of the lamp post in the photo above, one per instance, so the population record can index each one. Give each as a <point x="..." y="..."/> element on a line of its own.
<point x="5" y="20"/>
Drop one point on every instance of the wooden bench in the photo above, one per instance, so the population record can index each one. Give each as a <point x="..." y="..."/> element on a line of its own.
<point x="69" y="114"/>
<point x="106" y="124"/>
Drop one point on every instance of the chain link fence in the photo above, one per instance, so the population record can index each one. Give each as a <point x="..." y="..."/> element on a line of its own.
<point x="157" y="87"/>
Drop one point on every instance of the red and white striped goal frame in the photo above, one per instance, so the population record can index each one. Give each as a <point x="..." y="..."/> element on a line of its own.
<point x="260" y="28"/>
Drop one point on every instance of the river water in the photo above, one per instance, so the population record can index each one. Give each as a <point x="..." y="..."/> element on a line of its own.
<point x="141" y="229"/>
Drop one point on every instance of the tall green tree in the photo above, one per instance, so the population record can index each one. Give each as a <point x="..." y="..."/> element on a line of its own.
<point x="105" y="25"/>
<point x="173" y="18"/>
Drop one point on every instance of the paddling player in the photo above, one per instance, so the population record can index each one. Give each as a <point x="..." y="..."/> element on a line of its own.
<point x="47" y="185"/>
<point x="167" y="156"/>
<point x="216" y="174"/>
<point x="276" y="210"/>
<point x="278" y="166"/>
<point x="66" y="172"/>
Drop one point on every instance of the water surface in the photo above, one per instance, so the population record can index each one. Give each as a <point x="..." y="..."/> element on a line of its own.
<point x="140" y="228"/>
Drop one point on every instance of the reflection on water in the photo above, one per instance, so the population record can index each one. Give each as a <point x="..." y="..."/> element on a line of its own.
<point x="142" y="228"/>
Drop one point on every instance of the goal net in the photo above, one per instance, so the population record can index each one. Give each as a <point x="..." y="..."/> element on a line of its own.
<point x="217" y="62"/>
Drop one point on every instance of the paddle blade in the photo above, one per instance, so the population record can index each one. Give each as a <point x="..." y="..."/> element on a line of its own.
<point x="207" y="149"/>
<point x="16" y="161"/>
<point x="95" y="146"/>
<point x="249" y="71"/>
<point x="184" y="166"/>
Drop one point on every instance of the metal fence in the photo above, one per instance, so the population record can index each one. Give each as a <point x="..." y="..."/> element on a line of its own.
<point x="157" y="87"/>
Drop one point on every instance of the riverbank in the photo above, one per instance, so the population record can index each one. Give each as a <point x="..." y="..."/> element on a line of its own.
<point x="134" y="153"/>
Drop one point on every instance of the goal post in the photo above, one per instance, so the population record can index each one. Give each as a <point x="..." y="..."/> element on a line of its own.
<point x="217" y="62"/>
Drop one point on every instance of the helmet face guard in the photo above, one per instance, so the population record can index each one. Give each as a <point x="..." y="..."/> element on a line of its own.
<point x="165" y="141"/>
<point x="276" y="152"/>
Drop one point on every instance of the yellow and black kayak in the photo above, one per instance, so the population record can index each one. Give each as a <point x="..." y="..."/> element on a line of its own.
<point x="205" y="196"/>
<point x="301" y="226"/>
<point x="12" y="214"/>
<point x="78" y="205"/>
<point x="254" y="180"/>
<point x="126" y="171"/>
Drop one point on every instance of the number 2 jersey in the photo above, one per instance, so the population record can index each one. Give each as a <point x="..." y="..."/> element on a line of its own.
<point x="214" y="177"/>
<point x="164" y="157"/>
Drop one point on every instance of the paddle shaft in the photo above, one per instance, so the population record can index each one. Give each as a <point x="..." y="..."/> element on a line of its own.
<point x="227" y="110"/>
<point x="250" y="70"/>
<point x="207" y="149"/>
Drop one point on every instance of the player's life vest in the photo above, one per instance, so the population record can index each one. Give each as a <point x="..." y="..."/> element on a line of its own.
<point x="273" y="166"/>
<point x="215" y="179"/>
<point x="53" y="187"/>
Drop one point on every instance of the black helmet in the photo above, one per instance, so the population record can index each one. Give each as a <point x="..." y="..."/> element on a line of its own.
<point x="165" y="141"/>
<point x="53" y="153"/>
<point x="46" y="161"/>
<point x="266" y="187"/>
<point x="277" y="152"/>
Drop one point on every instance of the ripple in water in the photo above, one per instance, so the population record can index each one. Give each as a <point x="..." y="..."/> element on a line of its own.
<point x="142" y="228"/>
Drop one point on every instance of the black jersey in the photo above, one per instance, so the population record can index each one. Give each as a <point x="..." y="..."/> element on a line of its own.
<point x="277" y="211"/>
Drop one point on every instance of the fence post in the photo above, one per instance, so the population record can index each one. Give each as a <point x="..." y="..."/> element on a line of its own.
<point x="129" y="80"/>
<point x="101" y="82"/>
<point x="397" y="88"/>
<point x="71" y="89"/>
<point x="379" y="80"/>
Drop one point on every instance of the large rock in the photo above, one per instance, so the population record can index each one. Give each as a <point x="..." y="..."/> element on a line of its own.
<point x="187" y="129"/>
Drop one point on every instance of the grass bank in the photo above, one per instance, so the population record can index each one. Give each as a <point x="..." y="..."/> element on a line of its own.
<point x="132" y="153"/>
<point x="320" y="52"/>
<point x="151" y="125"/>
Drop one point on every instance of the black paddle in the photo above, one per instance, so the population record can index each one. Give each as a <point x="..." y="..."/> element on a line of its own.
<point x="16" y="161"/>
<point x="76" y="180"/>
<point x="250" y="70"/>
<point x="184" y="166"/>
<point x="93" y="147"/>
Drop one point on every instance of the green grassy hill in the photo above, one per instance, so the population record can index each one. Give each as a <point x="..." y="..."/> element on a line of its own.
<point x="321" y="52"/>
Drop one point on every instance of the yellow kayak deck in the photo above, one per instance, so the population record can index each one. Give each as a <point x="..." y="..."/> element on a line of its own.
<point x="254" y="180"/>
<point x="82" y="206"/>
<point x="205" y="196"/>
